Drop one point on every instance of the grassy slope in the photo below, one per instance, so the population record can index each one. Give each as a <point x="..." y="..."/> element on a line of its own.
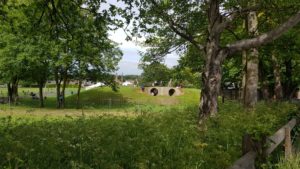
<point x="103" y="100"/>
<point x="134" y="95"/>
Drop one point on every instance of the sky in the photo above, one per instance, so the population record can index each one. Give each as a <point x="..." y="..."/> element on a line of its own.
<point x="131" y="57"/>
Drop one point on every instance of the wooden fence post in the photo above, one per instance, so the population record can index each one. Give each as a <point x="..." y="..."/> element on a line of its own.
<point x="250" y="144"/>
<point x="259" y="150"/>
<point x="248" y="147"/>
<point x="288" y="143"/>
<point x="247" y="144"/>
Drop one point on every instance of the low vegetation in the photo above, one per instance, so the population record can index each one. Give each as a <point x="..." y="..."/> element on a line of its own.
<point x="151" y="137"/>
<point x="291" y="163"/>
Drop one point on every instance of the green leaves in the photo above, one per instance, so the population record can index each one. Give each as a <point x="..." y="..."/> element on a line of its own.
<point x="54" y="36"/>
<point x="155" y="72"/>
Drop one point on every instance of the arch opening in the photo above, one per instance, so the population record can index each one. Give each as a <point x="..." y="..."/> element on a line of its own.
<point x="154" y="92"/>
<point x="171" y="92"/>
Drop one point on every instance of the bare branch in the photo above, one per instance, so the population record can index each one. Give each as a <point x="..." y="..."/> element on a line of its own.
<point x="185" y="36"/>
<point x="264" y="38"/>
<point x="179" y="30"/>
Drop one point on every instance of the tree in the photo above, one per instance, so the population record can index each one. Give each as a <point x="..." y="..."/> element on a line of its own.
<point x="186" y="73"/>
<point x="13" y="45"/>
<point x="171" y="24"/>
<point x="252" y="61"/>
<point x="155" y="71"/>
<point x="80" y="30"/>
<point x="65" y="39"/>
<point x="38" y="60"/>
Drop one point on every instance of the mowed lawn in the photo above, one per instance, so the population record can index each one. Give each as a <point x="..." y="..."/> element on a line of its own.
<point x="143" y="133"/>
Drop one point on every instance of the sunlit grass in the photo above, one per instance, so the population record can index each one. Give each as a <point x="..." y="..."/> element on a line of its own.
<point x="290" y="163"/>
<point x="142" y="133"/>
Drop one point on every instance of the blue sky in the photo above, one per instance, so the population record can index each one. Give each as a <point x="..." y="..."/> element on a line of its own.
<point x="131" y="56"/>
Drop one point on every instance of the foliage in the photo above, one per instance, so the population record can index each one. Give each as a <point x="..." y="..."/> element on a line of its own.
<point x="155" y="72"/>
<point x="184" y="76"/>
<point x="58" y="39"/>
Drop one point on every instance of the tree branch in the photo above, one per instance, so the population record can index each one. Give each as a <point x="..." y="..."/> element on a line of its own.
<point x="43" y="12"/>
<point x="264" y="38"/>
<point x="176" y="28"/>
<point x="235" y="35"/>
<point x="234" y="14"/>
<point x="185" y="36"/>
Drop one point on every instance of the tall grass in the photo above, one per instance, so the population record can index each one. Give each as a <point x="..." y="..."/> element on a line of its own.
<point x="291" y="163"/>
<point x="166" y="139"/>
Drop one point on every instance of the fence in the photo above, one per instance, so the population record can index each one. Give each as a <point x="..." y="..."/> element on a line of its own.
<point x="253" y="150"/>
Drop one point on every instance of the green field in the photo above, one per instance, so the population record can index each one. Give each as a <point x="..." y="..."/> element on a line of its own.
<point x="102" y="100"/>
<point x="138" y="131"/>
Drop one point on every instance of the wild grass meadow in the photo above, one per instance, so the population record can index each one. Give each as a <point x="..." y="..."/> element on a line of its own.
<point x="141" y="134"/>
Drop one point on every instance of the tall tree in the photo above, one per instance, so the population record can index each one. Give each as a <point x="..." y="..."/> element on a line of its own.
<point x="38" y="60"/>
<point x="278" y="91"/>
<point x="81" y="30"/>
<point x="171" y="24"/>
<point x="13" y="46"/>
<point x="251" y="84"/>
<point x="155" y="71"/>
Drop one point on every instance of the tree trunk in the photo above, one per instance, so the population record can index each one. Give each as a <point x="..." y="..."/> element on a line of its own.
<point x="243" y="87"/>
<point x="265" y="90"/>
<point x="78" y="94"/>
<point x="211" y="76"/>
<point x="58" y="84"/>
<point x="251" y="79"/>
<point x="41" y="85"/>
<point x="15" y="92"/>
<point x="278" y="93"/>
<point x="264" y="84"/>
<point x="63" y="91"/>
<point x="252" y="66"/>
<point x="12" y="89"/>
<point x="9" y="92"/>
<point x="288" y="75"/>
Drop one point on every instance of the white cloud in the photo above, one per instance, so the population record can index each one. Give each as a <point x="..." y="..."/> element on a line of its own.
<point x="130" y="49"/>
<point x="128" y="68"/>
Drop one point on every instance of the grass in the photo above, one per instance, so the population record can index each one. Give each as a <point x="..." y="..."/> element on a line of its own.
<point x="143" y="134"/>
<point x="291" y="163"/>
<point x="152" y="138"/>
<point x="48" y="92"/>
<point x="126" y="99"/>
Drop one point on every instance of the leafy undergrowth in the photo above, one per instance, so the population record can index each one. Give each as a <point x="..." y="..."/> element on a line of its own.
<point x="165" y="139"/>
